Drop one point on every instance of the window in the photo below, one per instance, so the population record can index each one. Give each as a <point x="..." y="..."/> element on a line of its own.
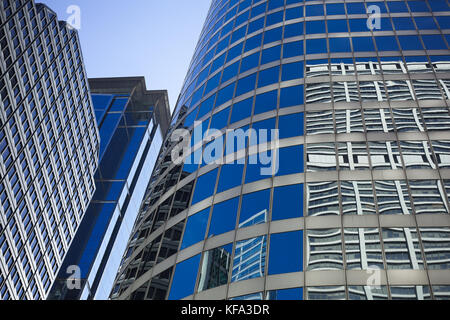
<point x="254" y="208"/>
<point x="183" y="281"/>
<point x="287" y="202"/>
<point x="205" y="186"/>
<point x="223" y="218"/>
<point x="286" y="253"/>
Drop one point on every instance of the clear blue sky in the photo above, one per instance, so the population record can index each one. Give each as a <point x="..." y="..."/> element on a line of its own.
<point x="151" y="38"/>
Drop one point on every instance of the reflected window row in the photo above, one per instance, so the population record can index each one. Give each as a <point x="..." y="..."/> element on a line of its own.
<point x="382" y="155"/>
<point x="326" y="249"/>
<point x="390" y="197"/>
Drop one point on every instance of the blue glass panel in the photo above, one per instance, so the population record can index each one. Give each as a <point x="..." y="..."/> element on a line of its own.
<point x="293" y="30"/>
<point x="286" y="295"/>
<point x="242" y="110"/>
<point x="287" y="202"/>
<point x="253" y="42"/>
<point x="250" y="261"/>
<point x="206" y="106"/>
<point x="254" y="208"/>
<point x="246" y="84"/>
<point x="271" y="54"/>
<point x="358" y="25"/>
<point x="223" y="217"/>
<point x="290" y="160"/>
<point x="439" y="5"/>
<point x="266" y="102"/>
<point x="340" y="45"/>
<point x="363" y="44"/>
<point x="274" y="18"/>
<point x="183" y="283"/>
<point x="256" y="25"/>
<point x="286" y="253"/>
<point x="397" y="6"/>
<point x="291" y="125"/>
<point x="230" y="176"/>
<point x="195" y="229"/>
<point x="434" y="42"/>
<point x="250" y="62"/>
<point x="356" y="8"/>
<point x="294" y="13"/>
<point x="337" y="26"/>
<point x="315" y="27"/>
<point x="405" y="23"/>
<point x="410" y="43"/>
<point x="292" y="49"/>
<point x="225" y="94"/>
<point x="266" y="135"/>
<point x="235" y="51"/>
<point x="380" y="5"/>
<point x="314" y="46"/>
<point x="220" y="120"/>
<point x="418" y="6"/>
<point x="292" y="71"/>
<point x="230" y="72"/>
<point x="291" y="96"/>
<point x="273" y="35"/>
<point x="386" y="43"/>
<point x="119" y="104"/>
<point x="315" y="10"/>
<point x="269" y="76"/>
<point x="424" y="23"/>
<point x="205" y="186"/>
<point x="254" y="170"/>
<point x="444" y="22"/>
<point x="335" y="9"/>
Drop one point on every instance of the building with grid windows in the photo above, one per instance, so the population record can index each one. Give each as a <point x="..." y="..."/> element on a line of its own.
<point x="49" y="145"/>
<point x="358" y="207"/>
<point x="132" y="122"/>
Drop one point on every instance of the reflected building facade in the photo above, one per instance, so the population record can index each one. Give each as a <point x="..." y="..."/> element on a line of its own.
<point x="132" y="122"/>
<point x="362" y="109"/>
<point x="49" y="144"/>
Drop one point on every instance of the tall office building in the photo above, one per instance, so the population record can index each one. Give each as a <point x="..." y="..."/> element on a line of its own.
<point x="357" y="198"/>
<point x="49" y="145"/>
<point x="132" y="123"/>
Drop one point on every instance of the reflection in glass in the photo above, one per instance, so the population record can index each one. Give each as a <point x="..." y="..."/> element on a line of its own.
<point x="348" y="121"/>
<point x="385" y="155"/>
<point x="393" y="197"/>
<point x="378" y="120"/>
<point x="427" y="90"/>
<point x="353" y="156"/>
<point x="321" y="157"/>
<point x="372" y="90"/>
<point x="254" y="208"/>
<point x="285" y="295"/>
<point x="402" y="250"/>
<point x="367" y="293"/>
<point x="317" y="68"/>
<point x="286" y="252"/>
<point x="442" y="152"/>
<point x="215" y="268"/>
<point x="184" y="279"/>
<point x="223" y="218"/>
<point x="287" y="202"/>
<point x="417" y="155"/>
<point x="323" y="198"/>
<point x="441" y="292"/>
<point x="357" y="198"/>
<point x="195" y="229"/>
<point x="408" y="119"/>
<point x="249" y="297"/>
<point x="249" y="259"/>
<point x="428" y="196"/>
<point x="318" y="93"/>
<point x="399" y="90"/>
<point x="436" y="119"/>
<point x="363" y="249"/>
<point x="319" y="122"/>
<point x="326" y="293"/>
<point x="436" y="245"/>
<point x="410" y="293"/>
<point x="324" y="250"/>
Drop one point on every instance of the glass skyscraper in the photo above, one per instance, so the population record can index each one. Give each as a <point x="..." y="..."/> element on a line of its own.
<point x="356" y="204"/>
<point x="49" y="145"/>
<point x="132" y="123"/>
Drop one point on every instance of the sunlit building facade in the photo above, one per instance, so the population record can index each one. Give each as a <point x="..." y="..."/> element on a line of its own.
<point x="132" y="122"/>
<point x="49" y="144"/>
<point x="358" y="205"/>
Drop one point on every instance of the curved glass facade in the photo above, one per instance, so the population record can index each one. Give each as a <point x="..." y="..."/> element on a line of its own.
<point x="346" y="196"/>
